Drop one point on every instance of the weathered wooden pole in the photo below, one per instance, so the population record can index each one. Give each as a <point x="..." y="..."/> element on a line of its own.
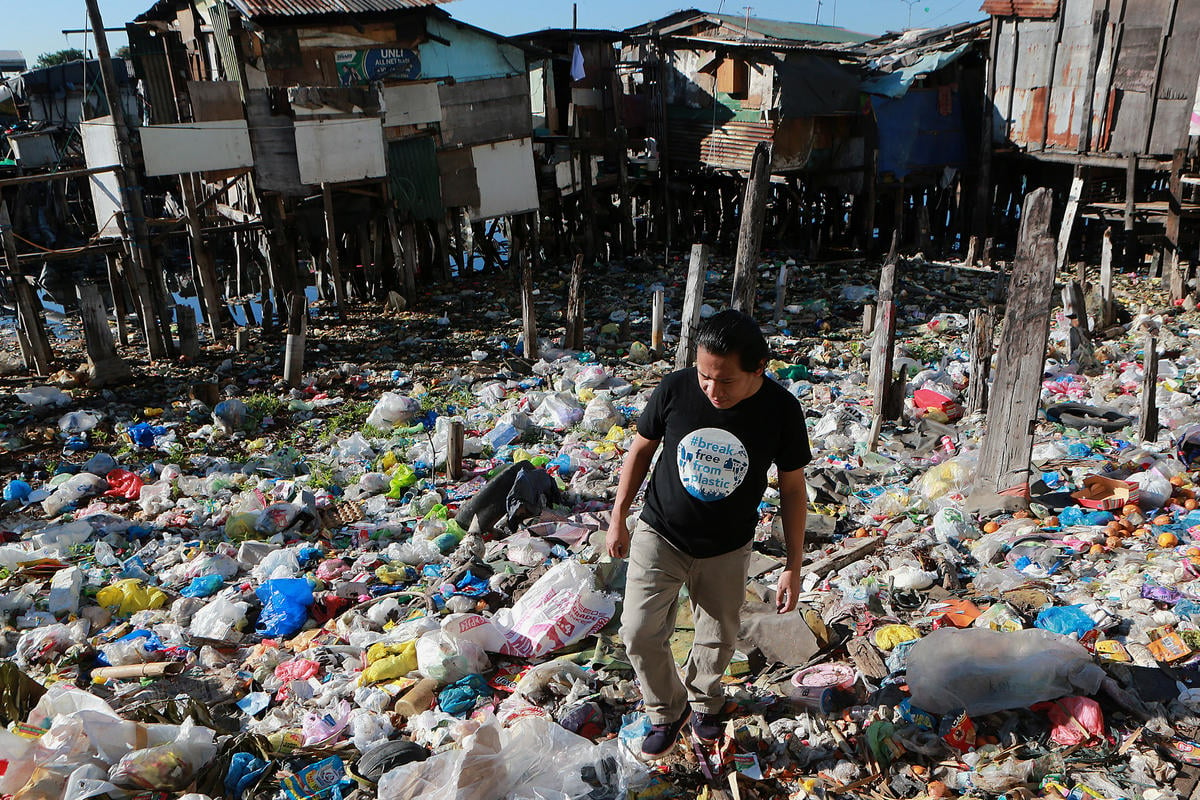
<point x="331" y="251"/>
<point x="1106" y="278"/>
<point x="1148" y="430"/>
<point x="146" y="283"/>
<point x="1012" y="413"/>
<point x="529" y="333"/>
<point x="979" y="338"/>
<point x="189" y="339"/>
<point x="31" y="331"/>
<point x="972" y="251"/>
<point x="754" y="207"/>
<point x="205" y="269"/>
<point x="454" y="450"/>
<point x="658" y="304"/>
<point x="1075" y="307"/>
<point x="116" y="284"/>
<point x="781" y="283"/>
<point x="573" y="333"/>
<point x="693" y="298"/>
<point x="1068" y="221"/>
<point x="105" y="367"/>
<point x="1131" y="250"/>
<point x="293" y="349"/>
<point x="883" y="347"/>
<point x="1179" y="271"/>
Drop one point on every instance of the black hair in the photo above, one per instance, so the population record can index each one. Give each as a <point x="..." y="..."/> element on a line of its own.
<point x="733" y="332"/>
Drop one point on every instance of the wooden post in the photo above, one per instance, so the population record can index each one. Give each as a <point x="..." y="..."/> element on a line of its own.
<point x="454" y="450"/>
<point x="105" y="367"/>
<point x="202" y="256"/>
<point x="693" y="298"/>
<point x="894" y="247"/>
<point x="31" y="331"/>
<point x="972" y="251"/>
<point x="189" y="340"/>
<point x="1178" y="273"/>
<point x="989" y="245"/>
<point x="868" y="320"/>
<point x="529" y="333"/>
<point x="1130" y="194"/>
<point x="241" y="339"/>
<point x="443" y="249"/>
<point x="1074" y="306"/>
<point x="979" y="338"/>
<point x="293" y="353"/>
<point x="883" y="347"/>
<point x="983" y="192"/>
<point x="147" y="290"/>
<point x="116" y="284"/>
<point x="781" y="283"/>
<point x="1068" y="221"/>
<point x="573" y="334"/>
<point x="331" y="251"/>
<point x="1148" y="430"/>
<point x="657" y="316"/>
<point x="754" y="207"/>
<point x="1106" y="276"/>
<point x="1012" y="413"/>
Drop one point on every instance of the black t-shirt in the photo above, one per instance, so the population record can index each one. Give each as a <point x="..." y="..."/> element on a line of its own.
<point x="704" y="493"/>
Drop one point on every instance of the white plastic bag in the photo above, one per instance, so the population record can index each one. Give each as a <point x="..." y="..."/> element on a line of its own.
<point x="446" y="659"/>
<point x="559" y="609"/>
<point x="391" y="410"/>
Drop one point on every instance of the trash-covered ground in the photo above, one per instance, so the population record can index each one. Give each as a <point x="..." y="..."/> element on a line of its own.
<point x="215" y="586"/>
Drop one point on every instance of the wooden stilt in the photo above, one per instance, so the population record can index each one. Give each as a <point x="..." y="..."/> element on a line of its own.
<point x="972" y="251"/>
<point x="1004" y="458"/>
<point x="573" y="333"/>
<point x="1132" y="257"/>
<point x="1106" y="276"/>
<point x="989" y="245"/>
<point x="443" y="250"/>
<point x="1179" y="272"/>
<point x="116" y="284"/>
<point x="331" y="251"/>
<point x="754" y="206"/>
<point x="657" y="318"/>
<point x="293" y="353"/>
<point x="454" y="450"/>
<point x="693" y="298"/>
<point x="202" y="256"/>
<point x="883" y="347"/>
<point x="781" y="283"/>
<point x="979" y="338"/>
<point x="1148" y="430"/>
<point x="105" y="367"/>
<point x="189" y="339"/>
<point x="1074" y="306"/>
<point x="868" y="320"/>
<point x="529" y="334"/>
<point x="31" y="330"/>
<point x="1068" y="222"/>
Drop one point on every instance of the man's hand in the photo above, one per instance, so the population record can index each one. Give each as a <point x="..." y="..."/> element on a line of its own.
<point x="616" y="542"/>
<point x="787" y="591"/>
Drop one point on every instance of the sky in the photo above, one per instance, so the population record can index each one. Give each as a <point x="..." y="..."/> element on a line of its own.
<point x="34" y="27"/>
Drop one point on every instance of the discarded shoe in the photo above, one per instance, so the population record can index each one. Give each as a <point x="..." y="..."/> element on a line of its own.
<point x="662" y="737"/>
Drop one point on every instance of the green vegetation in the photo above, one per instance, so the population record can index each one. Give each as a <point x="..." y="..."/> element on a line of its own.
<point x="59" y="57"/>
<point x="263" y="405"/>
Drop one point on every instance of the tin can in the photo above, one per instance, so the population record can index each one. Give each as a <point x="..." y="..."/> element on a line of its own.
<point x="813" y="698"/>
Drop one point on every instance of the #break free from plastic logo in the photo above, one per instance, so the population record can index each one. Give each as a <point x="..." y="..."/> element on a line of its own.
<point x="712" y="463"/>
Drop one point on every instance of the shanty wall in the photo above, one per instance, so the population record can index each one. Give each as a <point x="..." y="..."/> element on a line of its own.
<point x="1099" y="76"/>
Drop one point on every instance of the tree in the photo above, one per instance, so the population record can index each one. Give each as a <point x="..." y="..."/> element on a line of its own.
<point x="59" y="57"/>
<point x="123" y="52"/>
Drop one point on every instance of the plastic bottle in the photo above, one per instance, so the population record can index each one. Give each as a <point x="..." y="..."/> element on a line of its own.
<point x="417" y="699"/>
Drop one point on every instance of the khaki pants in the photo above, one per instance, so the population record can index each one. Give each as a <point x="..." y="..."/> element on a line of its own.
<point x="716" y="588"/>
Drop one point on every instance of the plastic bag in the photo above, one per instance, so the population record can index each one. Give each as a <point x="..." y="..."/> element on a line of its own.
<point x="559" y="609"/>
<point x="1066" y="620"/>
<point x="124" y="484"/>
<point x="170" y="766"/>
<point x="285" y="606"/>
<point x="230" y="415"/>
<point x="984" y="671"/>
<point x="446" y="660"/>
<point x="393" y="409"/>
<point x="600" y="414"/>
<point x="1075" y="720"/>
<point x="130" y="596"/>
<point x="219" y="619"/>
<point x="557" y="411"/>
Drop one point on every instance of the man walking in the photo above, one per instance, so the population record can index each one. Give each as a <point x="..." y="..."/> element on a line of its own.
<point x="722" y="424"/>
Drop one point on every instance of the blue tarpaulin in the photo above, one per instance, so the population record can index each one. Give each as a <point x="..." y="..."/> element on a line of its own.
<point x="920" y="131"/>
<point x="896" y="83"/>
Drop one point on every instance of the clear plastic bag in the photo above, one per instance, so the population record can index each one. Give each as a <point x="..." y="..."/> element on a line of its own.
<point x="169" y="766"/>
<point x="446" y="659"/>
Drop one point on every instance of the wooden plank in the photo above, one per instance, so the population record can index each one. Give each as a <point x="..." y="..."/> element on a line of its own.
<point x="979" y="342"/>
<point x="1106" y="276"/>
<point x="105" y="367"/>
<point x="693" y="298"/>
<point x="1148" y="429"/>
<point x="474" y="112"/>
<point x="293" y="351"/>
<point x="754" y="206"/>
<point x="1075" y="308"/>
<point x="573" y="334"/>
<point x="331" y="251"/>
<point x="1099" y="24"/>
<point x="1070" y="215"/>
<point x="202" y="257"/>
<point x="1004" y="457"/>
<point x="1177" y="272"/>
<point x="857" y="550"/>
<point x="883" y="346"/>
<point x="54" y="176"/>
<point x="1152" y="97"/>
<point x="31" y="330"/>
<point x="1050" y="78"/>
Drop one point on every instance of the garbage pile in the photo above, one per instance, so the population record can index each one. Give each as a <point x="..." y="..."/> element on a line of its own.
<point x="193" y="605"/>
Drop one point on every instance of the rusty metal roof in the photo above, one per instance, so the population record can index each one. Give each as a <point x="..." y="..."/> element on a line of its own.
<point x="1031" y="9"/>
<point x="255" y="9"/>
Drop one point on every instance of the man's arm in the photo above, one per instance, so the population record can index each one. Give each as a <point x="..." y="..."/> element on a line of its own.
<point x="633" y="472"/>
<point x="793" y="507"/>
